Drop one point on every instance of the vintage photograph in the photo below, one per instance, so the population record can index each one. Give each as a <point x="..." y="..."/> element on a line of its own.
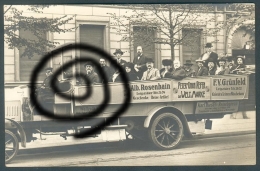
<point x="129" y="85"/>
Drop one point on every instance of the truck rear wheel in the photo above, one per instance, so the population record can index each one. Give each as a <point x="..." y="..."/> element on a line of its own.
<point x="11" y="146"/>
<point x="166" y="131"/>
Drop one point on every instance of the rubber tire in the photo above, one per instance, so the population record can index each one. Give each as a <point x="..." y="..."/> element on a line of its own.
<point x="153" y="126"/>
<point x="16" y="146"/>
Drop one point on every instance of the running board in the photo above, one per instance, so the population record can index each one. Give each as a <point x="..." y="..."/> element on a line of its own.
<point x="113" y="127"/>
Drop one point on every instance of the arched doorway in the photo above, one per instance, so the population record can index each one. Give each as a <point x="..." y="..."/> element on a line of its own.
<point x="240" y="43"/>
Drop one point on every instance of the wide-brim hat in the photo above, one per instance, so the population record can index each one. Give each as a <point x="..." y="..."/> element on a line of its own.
<point x="211" y="60"/>
<point x="188" y="62"/>
<point x="118" y="51"/>
<point x="167" y="62"/>
<point x="208" y="45"/>
<point x="242" y="57"/>
<point x="48" y="68"/>
<point x="129" y="65"/>
<point x="148" y="60"/>
<point x="88" y="63"/>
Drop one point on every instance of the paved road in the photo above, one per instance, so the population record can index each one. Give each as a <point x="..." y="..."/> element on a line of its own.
<point x="232" y="150"/>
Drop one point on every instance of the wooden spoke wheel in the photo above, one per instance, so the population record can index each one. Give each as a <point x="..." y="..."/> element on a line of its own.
<point x="11" y="146"/>
<point x="166" y="131"/>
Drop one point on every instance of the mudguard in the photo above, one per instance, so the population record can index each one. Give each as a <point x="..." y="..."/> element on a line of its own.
<point x="21" y="131"/>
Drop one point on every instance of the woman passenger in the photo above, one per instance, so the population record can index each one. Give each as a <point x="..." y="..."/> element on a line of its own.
<point x="240" y="65"/>
<point x="129" y="69"/>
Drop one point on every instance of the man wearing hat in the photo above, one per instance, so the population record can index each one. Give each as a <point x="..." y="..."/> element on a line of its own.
<point x="118" y="54"/>
<point x="222" y="69"/>
<point x="212" y="67"/>
<point x="209" y="54"/>
<point x="231" y="64"/>
<point x="151" y="73"/>
<point x="140" y="62"/>
<point x="45" y="93"/>
<point x="188" y="70"/>
<point x="177" y="73"/>
<point x="90" y="74"/>
<point x="167" y="63"/>
<point x="202" y="71"/>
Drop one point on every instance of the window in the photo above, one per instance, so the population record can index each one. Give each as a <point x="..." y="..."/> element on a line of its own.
<point x="191" y="46"/>
<point x="27" y="64"/>
<point x="93" y="35"/>
<point x="144" y="36"/>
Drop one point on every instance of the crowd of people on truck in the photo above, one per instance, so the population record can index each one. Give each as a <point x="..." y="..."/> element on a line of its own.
<point x="142" y="67"/>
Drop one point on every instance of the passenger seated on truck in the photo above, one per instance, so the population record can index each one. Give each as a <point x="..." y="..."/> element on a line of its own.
<point x="202" y="70"/>
<point x="212" y="67"/>
<point x="107" y="69"/>
<point x="167" y="66"/>
<point x="222" y="69"/>
<point x="240" y="65"/>
<point x="177" y="73"/>
<point x="116" y="74"/>
<point x="231" y="64"/>
<point x="188" y="70"/>
<point x="151" y="73"/>
<point x="130" y="72"/>
<point x="45" y="91"/>
<point x="90" y="74"/>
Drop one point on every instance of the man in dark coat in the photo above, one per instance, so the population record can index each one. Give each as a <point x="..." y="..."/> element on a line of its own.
<point x="209" y="55"/>
<point x="188" y="70"/>
<point x="45" y="93"/>
<point x="46" y="88"/>
<point x="212" y="67"/>
<point x="107" y="69"/>
<point x="202" y="71"/>
<point x="177" y="73"/>
<point x="231" y="64"/>
<point x="90" y="74"/>
<point x="167" y="63"/>
<point x="118" y="54"/>
<point x="140" y="62"/>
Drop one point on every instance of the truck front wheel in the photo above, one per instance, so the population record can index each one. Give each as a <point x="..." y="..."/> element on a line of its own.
<point x="11" y="146"/>
<point x="166" y="131"/>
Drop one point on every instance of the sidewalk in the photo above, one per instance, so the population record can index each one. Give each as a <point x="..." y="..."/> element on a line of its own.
<point x="219" y="127"/>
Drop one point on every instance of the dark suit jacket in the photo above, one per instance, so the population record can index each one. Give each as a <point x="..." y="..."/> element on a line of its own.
<point x="141" y="62"/>
<point x="162" y="72"/>
<point x="202" y="71"/>
<point x="177" y="74"/>
<point x="46" y="94"/>
<point x="108" y="73"/>
<point x="132" y="76"/>
<point x="213" y="57"/>
<point x="93" y="78"/>
<point x="212" y="71"/>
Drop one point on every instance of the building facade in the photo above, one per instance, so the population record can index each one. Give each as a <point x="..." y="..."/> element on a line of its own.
<point x="93" y="25"/>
